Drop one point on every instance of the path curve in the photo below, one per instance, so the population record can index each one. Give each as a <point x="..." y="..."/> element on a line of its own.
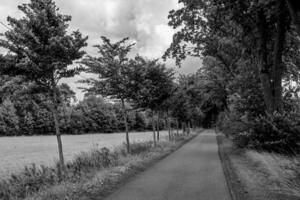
<point x="194" y="172"/>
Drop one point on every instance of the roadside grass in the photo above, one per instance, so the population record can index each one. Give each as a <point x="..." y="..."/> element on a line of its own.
<point x="260" y="175"/>
<point x="282" y="172"/>
<point x="91" y="175"/>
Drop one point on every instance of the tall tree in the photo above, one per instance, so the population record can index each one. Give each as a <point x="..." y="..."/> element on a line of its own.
<point x="294" y="11"/>
<point x="255" y="32"/>
<point x="111" y="67"/>
<point x="40" y="49"/>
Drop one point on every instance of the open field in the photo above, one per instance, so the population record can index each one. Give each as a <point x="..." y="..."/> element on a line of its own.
<point x="17" y="152"/>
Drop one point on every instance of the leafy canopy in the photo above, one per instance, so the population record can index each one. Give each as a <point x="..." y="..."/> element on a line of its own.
<point x="39" y="46"/>
<point x="111" y="69"/>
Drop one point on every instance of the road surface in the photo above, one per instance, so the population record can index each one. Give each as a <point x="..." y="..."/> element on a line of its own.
<point x="194" y="172"/>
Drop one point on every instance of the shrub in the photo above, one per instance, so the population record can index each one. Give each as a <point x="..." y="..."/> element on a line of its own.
<point x="94" y="159"/>
<point x="231" y="124"/>
<point x="242" y="139"/>
<point x="278" y="133"/>
<point x="137" y="148"/>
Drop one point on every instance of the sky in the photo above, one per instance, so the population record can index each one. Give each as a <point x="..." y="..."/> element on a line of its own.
<point x="143" y="21"/>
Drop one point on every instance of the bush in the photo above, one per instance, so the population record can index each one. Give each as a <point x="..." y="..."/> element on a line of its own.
<point x="242" y="139"/>
<point x="231" y="124"/>
<point x="137" y="148"/>
<point x="278" y="133"/>
<point x="95" y="159"/>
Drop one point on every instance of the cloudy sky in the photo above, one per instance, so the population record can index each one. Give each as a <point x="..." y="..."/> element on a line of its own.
<point x="144" y="21"/>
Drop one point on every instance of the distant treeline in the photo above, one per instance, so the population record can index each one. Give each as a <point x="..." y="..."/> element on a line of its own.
<point x="24" y="114"/>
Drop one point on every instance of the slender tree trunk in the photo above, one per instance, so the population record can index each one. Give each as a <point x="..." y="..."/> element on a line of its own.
<point x="193" y="125"/>
<point x="169" y="127"/>
<point x="294" y="10"/>
<point x="177" y="127"/>
<point x="54" y="111"/>
<point x="183" y="127"/>
<point x="189" y="128"/>
<point x="153" y="128"/>
<point x="126" y="125"/>
<point x="262" y="55"/>
<point x="157" y="127"/>
<point x="277" y="68"/>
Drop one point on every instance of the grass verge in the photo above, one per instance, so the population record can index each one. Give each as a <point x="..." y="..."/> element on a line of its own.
<point x="259" y="175"/>
<point x="91" y="175"/>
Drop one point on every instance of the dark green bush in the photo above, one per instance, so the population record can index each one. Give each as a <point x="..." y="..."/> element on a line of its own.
<point x="279" y="133"/>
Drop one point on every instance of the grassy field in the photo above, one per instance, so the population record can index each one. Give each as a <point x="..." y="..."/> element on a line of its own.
<point x="17" y="152"/>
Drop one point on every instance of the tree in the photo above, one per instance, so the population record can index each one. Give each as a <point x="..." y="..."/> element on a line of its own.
<point x="111" y="67"/>
<point x="294" y="11"/>
<point x="152" y="84"/>
<point x="9" y="121"/>
<point x="254" y="32"/>
<point x="40" y="49"/>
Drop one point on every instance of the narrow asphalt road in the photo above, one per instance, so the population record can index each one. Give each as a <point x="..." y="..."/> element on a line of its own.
<point x="194" y="172"/>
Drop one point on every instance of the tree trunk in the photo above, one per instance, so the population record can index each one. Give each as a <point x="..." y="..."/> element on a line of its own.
<point x="193" y="125"/>
<point x="153" y="129"/>
<point x="126" y="125"/>
<point x="262" y="56"/>
<point x="169" y="127"/>
<point x="277" y="68"/>
<point x="294" y="10"/>
<point x="54" y="111"/>
<point x="189" y="128"/>
<point x="157" y="127"/>
<point x="177" y="127"/>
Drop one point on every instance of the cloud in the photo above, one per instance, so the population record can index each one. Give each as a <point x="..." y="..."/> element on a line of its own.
<point x="144" y="21"/>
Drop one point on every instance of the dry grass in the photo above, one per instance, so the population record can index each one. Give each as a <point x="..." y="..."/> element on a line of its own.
<point x="281" y="171"/>
<point x="268" y="175"/>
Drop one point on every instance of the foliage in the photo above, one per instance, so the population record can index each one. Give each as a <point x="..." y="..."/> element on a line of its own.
<point x="152" y="83"/>
<point x="278" y="133"/>
<point x="9" y="121"/>
<point x="39" y="46"/>
<point x="250" y="56"/>
<point x="110" y="67"/>
<point x="25" y="114"/>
